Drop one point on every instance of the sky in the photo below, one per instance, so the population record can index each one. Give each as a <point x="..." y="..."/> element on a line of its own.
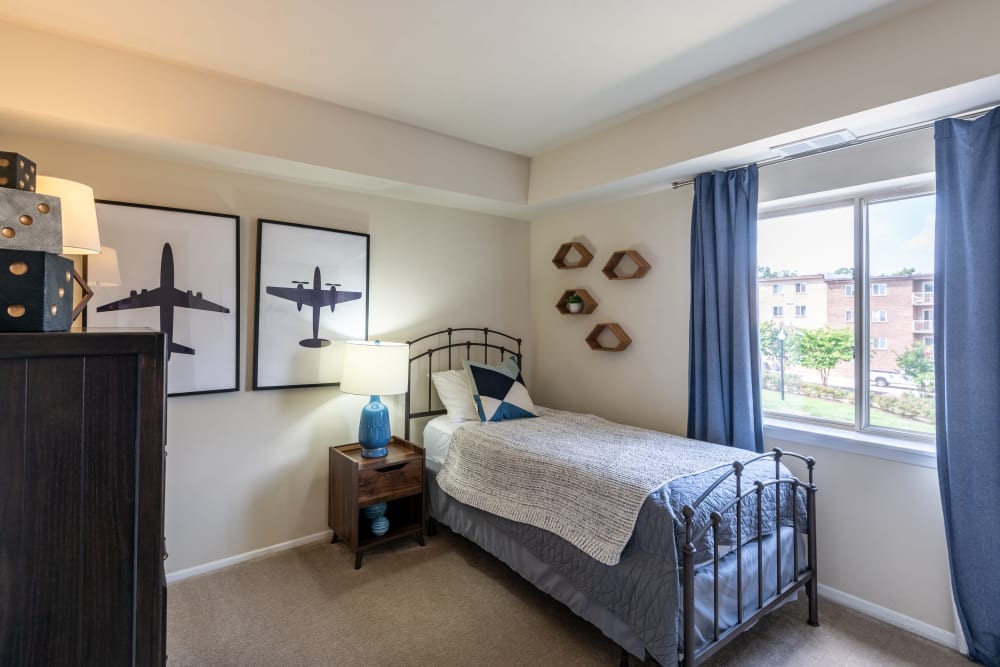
<point x="901" y="234"/>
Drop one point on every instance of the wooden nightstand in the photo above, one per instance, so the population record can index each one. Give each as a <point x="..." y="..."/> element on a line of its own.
<point x="356" y="483"/>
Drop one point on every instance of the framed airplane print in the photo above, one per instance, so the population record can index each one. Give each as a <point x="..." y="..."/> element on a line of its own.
<point x="312" y="295"/>
<point x="179" y="274"/>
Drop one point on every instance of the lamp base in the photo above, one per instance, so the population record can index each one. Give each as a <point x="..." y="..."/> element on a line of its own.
<point x="374" y="432"/>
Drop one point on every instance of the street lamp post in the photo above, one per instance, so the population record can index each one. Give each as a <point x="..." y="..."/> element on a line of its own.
<point x="781" y="360"/>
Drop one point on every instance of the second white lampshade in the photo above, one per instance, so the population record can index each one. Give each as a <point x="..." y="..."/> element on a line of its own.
<point x="375" y="368"/>
<point x="79" y="214"/>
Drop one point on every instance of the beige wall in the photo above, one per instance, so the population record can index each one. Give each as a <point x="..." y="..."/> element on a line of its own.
<point x="122" y="98"/>
<point x="647" y="383"/>
<point x="938" y="46"/>
<point x="248" y="470"/>
<point x="882" y="532"/>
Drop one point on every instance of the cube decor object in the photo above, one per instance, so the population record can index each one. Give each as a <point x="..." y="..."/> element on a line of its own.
<point x="30" y="221"/>
<point x="593" y="340"/>
<point x="576" y="253"/>
<point x="17" y="172"/>
<point x="36" y="291"/>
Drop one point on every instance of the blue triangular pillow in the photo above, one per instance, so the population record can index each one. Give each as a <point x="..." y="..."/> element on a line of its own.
<point x="499" y="391"/>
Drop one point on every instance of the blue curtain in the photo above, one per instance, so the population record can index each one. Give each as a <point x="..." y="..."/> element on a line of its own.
<point x="967" y="366"/>
<point x="724" y="368"/>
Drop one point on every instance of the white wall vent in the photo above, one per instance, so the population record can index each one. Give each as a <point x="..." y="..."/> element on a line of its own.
<point x="814" y="143"/>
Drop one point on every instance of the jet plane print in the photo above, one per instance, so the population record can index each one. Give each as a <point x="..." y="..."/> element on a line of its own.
<point x="165" y="297"/>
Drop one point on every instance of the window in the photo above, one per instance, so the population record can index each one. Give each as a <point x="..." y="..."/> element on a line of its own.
<point x="778" y="311"/>
<point x="828" y="362"/>
<point x="800" y="288"/>
<point x="776" y="288"/>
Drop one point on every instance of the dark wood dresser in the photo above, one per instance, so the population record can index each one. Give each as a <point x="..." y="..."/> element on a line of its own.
<point x="82" y="425"/>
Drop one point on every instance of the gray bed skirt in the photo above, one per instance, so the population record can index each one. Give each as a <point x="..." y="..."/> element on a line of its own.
<point x="486" y="530"/>
<point x="505" y="539"/>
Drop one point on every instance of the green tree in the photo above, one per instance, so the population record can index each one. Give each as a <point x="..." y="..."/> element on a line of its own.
<point x="844" y="271"/>
<point x="768" y="272"/>
<point x="917" y="367"/>
<point x="822" y="349"/>
<point x="905" y="271"/>
<point x="770" y="346"/>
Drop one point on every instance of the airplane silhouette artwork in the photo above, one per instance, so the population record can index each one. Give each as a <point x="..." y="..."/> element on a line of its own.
<point x="165" y="297"/>
<point x="315" y="297"/>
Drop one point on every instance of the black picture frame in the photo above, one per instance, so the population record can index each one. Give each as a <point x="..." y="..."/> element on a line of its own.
<point x="312" y="288"/>
<point x="193" y="257"/>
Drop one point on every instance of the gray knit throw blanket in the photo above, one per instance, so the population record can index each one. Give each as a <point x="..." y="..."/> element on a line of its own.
<point x="579" y="476"/>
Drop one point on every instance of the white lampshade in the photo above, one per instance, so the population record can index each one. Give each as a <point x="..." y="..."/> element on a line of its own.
<point x="79" y="214"/>
<point x="374" y="368"/>
<point x="102" y="269"/>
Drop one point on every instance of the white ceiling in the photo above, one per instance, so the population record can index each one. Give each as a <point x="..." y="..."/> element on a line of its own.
<point x="519" y="75"/>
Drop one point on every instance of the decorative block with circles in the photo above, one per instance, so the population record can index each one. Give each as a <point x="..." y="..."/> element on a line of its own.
<point x="30" y="221"/>
<point x="17" y="172"/>
<point x="36" y="291"/>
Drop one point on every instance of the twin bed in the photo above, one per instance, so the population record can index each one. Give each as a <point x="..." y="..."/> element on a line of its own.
<point x="670" y="556"/>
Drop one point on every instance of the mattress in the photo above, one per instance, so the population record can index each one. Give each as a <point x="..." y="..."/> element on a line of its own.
<point x="437" y="435"/>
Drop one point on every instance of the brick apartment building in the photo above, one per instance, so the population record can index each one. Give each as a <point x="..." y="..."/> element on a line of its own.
<point x="902" y="310"/>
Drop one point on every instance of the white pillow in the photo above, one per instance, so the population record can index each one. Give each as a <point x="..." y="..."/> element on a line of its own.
<point x="455" y="393"/>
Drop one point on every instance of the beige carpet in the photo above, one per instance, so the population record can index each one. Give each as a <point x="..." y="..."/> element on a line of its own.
<point x="450" y="603"/>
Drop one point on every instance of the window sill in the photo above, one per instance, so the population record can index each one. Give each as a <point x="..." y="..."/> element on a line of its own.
<point x="877" y="446"/>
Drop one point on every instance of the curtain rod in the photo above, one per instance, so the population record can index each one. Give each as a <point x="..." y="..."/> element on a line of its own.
<point x="875" y="136"/>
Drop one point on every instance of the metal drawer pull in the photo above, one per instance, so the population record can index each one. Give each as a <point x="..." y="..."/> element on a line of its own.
<point x="391" y="468"/>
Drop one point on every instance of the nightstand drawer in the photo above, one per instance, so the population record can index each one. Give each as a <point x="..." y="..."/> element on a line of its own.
<point x="375" y="484"/>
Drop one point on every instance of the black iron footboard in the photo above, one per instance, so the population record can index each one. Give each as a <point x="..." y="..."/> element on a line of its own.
<point x="804" y="577"/>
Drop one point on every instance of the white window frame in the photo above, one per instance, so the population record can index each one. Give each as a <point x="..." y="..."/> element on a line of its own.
<point x="880" y="315"/>
<point x="800" y="311"/>
<point x="800" y="291"/>
<point x="849" y="316"/>
<point x="883" y="339"/>
<point x="777" y="288"/>
<point x="861" y="438"/>
<point x="880" y="289"/>
<point x="777" y="311"/>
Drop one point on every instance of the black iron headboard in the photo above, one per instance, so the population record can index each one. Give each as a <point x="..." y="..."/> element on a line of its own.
<point x="444" y="343"/>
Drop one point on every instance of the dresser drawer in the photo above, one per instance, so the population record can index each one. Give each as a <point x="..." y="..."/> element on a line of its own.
<point x="389" y="481"/>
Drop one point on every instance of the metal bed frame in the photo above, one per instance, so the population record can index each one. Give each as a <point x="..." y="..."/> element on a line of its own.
<point x="804" y="577"/>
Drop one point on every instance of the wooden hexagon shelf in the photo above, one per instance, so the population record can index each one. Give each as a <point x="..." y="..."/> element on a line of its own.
<point x="611" y="268"/>
<point x="593" y="340"/>
<point x="564" y="251"/>
<point x="589" y="305"/>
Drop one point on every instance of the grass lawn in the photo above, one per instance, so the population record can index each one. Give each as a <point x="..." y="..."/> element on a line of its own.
<point x="822" y="408"/>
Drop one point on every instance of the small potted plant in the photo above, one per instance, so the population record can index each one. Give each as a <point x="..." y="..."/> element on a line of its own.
<point x="574" y="303"/>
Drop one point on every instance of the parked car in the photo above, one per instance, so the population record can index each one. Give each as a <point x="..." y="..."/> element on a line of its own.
<point x="889" y="379"/>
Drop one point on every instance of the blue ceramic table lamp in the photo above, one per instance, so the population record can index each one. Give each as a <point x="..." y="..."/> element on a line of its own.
<point x="374" y="368"/>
